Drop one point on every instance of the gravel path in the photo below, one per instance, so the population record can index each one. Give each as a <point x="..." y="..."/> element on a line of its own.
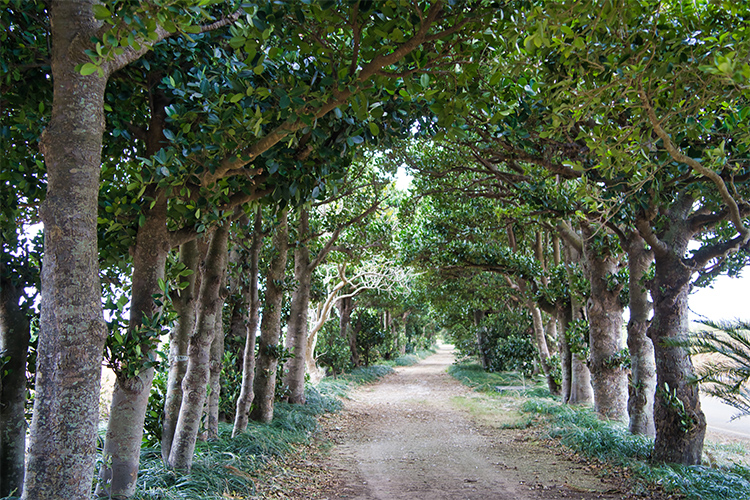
<point x="405" y="437"/>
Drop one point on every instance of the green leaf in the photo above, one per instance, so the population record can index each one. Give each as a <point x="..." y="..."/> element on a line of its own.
<point x="88" y="69"/>
<point x="374" y="129"/>
<point x="101" y="12"/>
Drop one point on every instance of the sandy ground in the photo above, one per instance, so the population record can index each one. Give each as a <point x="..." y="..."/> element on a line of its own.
<point x="413" y="436"/>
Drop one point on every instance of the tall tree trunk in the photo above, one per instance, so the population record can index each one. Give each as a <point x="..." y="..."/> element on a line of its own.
<point x="122" y="448"/>
<point x="564" y="317"/>
<point x="296" y="331"/>
<point x="642" y="362"/>
<point x="14" y="347"/>
<point x="346" y="306"/>
<point x="245" y="317"/>
<point x="484" y="358"/>
<point x="608" y="375"/>
<point x="679" y="421"/>
<point x="72" y="329"/>
<point x="185" y="304"/>
<point x="270" y="328"/>
<point x="197" y="373"/>
<point x="214" y="384"/>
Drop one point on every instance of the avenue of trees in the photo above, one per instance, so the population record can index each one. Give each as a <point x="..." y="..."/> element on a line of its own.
<point x="214" y="180"/>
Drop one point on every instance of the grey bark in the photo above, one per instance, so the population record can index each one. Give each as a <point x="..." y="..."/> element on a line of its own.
<point x="119" y="470"/>
<point x="72" y="328"/>
<point x="296" y="335"/>
<point x="608" y="375"/>
<point x="642" y="362"/>
<point x="679" y="421"/>
<point x="481" y="338"/>
<point x="197" y="373"/>
<point x="346" y="306"/>
<point x="185" y="303"/>
<point x="245" y="317"/>
<point x="14" y="346"/>
<point x="264" y="385"/>
<point x="214" y="384"/>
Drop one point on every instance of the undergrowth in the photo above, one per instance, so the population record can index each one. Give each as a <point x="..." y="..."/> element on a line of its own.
<point x="224" y="468"/>
<point x="413" y="358"/>
<point x="474" y="376"/>
<point x="583" y="432"/>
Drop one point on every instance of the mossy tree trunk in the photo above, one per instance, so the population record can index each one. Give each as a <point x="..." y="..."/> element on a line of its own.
<point x="608" y="375"/>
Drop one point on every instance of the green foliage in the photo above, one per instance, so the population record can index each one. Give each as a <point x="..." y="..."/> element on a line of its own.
<point x="370" y="332"/>
<point x="154" y="423"/>
<point x="333" y="349"/>
<point x="726" y="372"/>
<point x="581" y="430"/>
<point x="577" y="335"/>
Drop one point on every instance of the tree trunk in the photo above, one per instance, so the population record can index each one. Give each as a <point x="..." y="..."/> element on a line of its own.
<point x="642" y="363"/>
<point x="122" y="447"/>
<point x="14" y="347"/>
<point x="346" y="306"/>
<point x="215" y="364"/>
<point x="185" y="304"/>
<point x="542" y="349"/>
<point x="270" y="328"/>
<point x="245" y="319"/>
<point x="564" y="317"/>
<point x="679" y="420"/>
<point x="72" y="329"/>
<point x="197" y="373"/>
<point x="296" y="331"/>
<point x="608" y="375"/>
<point x="483" y="349"/>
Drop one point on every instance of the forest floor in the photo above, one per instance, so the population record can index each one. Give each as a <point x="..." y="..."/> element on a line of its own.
<point x="420" y="434"/>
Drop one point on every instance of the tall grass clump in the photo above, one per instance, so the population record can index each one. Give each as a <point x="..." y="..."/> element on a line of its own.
<point x="582" y="431"/>
<point x="414" y="357"/>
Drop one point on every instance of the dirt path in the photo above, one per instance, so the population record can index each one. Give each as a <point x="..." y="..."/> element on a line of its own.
<point x="408" y="437"/>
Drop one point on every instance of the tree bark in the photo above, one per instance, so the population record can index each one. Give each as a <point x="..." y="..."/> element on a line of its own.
<point x="642" y="363"/>
<point x="214" y="384"/>
<point x="542" y="348"/>
<point x="296" y="332"/>
<point x="346" y="306"/>
<point x="270" y="328"/>
<point x="122" y="448"/>
<point x="185" y="303"/>
<point x="14" y="347"/>
<point x="245" y="319"/>
<point x="197" y="373"/>
<point x="72" y="328"/>
<point x="679" y="421"/>
<point x="608" y="375"/>
<point x="484" y="357"/>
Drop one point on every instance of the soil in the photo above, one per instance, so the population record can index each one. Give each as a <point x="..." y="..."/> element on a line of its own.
<point x="420" y="434"/>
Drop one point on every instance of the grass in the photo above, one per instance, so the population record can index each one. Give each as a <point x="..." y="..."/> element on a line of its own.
<point x="224" y="468"/>
<point x="413" y="358"/>
<point x="579" y="429"/>
<point x="474" y="376"/>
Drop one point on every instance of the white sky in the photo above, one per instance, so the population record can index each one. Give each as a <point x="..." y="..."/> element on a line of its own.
<point x="728" y="299"/>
